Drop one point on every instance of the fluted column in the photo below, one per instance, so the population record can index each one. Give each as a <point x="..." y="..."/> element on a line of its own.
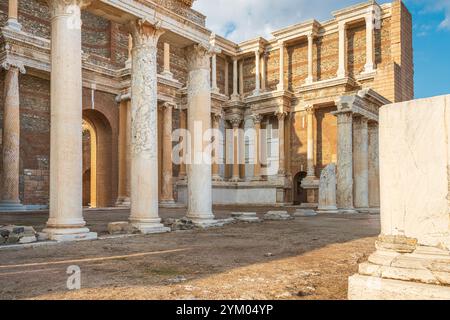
<point x="361" y="163"/>
<point x="344" y="193"/>
<point x="310" y="142"/>
<point x="183" y="126"/>
<point x="236" y="122"/>
<point x="215" y="165"/>
<point x="280" y="86"/>
<point x="66" y="215"/>
<point x="144" y="159"/>
<point x="257" y="90"/>
<point x="342" y="69"/>
<point x="123" y="199"/>
<point x="214" y="87"/>
<point x="257" y="118"/>
<point x="11" y="140"/>
<point x="281" y="145"/>
<point x="235" y="95"/>
<point x="370" y="65"/>
<point x="199" y="122"/>
<point x="310" y="77"/>
<point x="167" y="171"/>
<point x="167" y="73"/>
<point x="13" y="15"/>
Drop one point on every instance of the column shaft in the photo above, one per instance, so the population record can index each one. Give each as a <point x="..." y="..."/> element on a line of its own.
<point x="263" y="72"/>
<point x="370" y="66"/>
<point x="123" y="195"/>
<point x="199" y="122"/>
<point x="166" y="71"/>
<point x="281" y="145"/>
<point x="183" y="126"/>
<point x="235" y="79"/>
<point x="345" y="162"/>
<point x="361" y="164"/>
<point x="214" y="87"/>
<point x="374" y="168"/>
<point x="167" y="171"/>
<point x="144" y="113"/>
<point x="235" y="122"/>
<point x="215" y="165"/>
<point x="310" y="143"/>
<point x="241" y="78"/>
<point x="257" y="73"/>
<point x="13" y="15"/>
<point x="342" y="69"/>
<point x="257" y="152"/>
<point x="11" y="142"/>
<point x="66" y="216"/>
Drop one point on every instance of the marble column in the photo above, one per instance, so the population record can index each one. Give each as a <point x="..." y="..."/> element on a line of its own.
<point x="236" y="122"/>
<point x="374" y="168"/>
<point x="183" y="126"/>
<point x="166" y="72"/>
<point x="227" y="83"/>
<point x="123" y="199"/>
<point x="215" y="165"/>
<point x="257" y="118"/>
<point x="241" y="79"/>
<point x="13" y="15"/>
<point x="199" y="122"/>
<point x="66" y="215"/>
<point x="310" y="143"/>
<point x="214" y="87"/>
<point x="167" y="172"/>
<point x="281" y="145"/>
<point x="11" y="140"/>
<point x="361" y="164"/>
<point x="263" y="72"/>
<point x="310" y="78"/>
<point x="280" y="86"/>
<point x="344" y="194"/>
<point x="257" y="90"/>
<point x="342" y="69"/>
<point x="370" y="53"/>
<point x="144" y="154"/>
<point x="235" y="95"/>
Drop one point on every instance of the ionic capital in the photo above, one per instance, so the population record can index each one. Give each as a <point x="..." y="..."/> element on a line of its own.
<point x="169" y="106"/>
<point x="8" y="64"/>
<point x="145" y="33"/>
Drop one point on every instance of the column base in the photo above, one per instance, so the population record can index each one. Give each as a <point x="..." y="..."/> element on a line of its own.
<point x="204" y="220"/>
<point x="123" y="202"/>
<point x="280" y="87"/>
<point x="258" y="178"/>
<point x="308" y="205"/>
<point x="168" y="203"/>
<point x="167" y="75"/>
<point x="347" y="211"/>
<point x="362" y="287"/>
<point x="329" y="209"/>
<point x="363" y="210"/>
<point x="215" y="90"/>
<point x="309" y="80"/>
<point x="149" y="227"/>
<point x="13" y="24"/>
<point x="368" y="68"/>
<point x="217" y="178"/>
<point x="69" y="234"/>
<point x="11" y="206"/>
<point x="235" y="179"/>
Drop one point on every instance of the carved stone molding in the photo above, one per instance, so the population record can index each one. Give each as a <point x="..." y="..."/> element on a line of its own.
<point x="66" y="7"/>
<point x="144" y="33"/>
<point x="257" y="118"/>
<point x="198" y="56"/>
<point x="281" y="115"/>
<point x="235" y="120"/>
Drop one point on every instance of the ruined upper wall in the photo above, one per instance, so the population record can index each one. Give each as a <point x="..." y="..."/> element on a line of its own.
<point x="183" y="8"/>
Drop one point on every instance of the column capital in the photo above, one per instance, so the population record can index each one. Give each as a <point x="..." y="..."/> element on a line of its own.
<point x="8" y="64"/>
<point x="145" y="33"/>
<point x="309" y="109"/>
<point x="168" y="106"/>
<point x="281" y="44"/>
<point x="235" y="120"/>
<point x="281" y="115"/>
<point x="216" y="116"/>
<point x="65" y="7"/>
<point x="257" y="118"/>
<point x="342" y="25"/>
<point x="198" y="56"/>
<point x="311" y="35"/>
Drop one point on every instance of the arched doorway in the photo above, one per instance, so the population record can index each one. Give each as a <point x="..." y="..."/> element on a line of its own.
<point x="97" y="160"/>
<point x="300" y="195"/>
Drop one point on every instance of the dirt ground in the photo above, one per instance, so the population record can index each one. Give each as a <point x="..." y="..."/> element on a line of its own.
<point x="305" y="258"/>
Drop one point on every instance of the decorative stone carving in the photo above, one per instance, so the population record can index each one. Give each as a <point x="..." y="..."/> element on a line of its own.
<point x="327" y="190"/>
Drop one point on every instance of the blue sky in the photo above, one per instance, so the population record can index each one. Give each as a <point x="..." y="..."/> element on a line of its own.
<point x="245" y="19"/>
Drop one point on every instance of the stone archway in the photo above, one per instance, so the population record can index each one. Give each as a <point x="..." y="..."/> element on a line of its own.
<point x="300" y="195"/>
<point x="98" y="153"/>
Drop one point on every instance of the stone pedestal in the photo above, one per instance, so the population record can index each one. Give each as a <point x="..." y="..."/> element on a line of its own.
<point x="327" y="190"/>
<point x="199" y="120"/>
<point x="144" y="155"/>
<point x="66" y="216"/>
<point x="413" y="251"/>
<point x="11" y="141"/>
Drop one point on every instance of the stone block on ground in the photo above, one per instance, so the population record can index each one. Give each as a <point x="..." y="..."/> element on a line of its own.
<point x="17" y="234"/>
<point x="305" y="213"/>
<point x="121" y="227"/>
<point x="245" y="216"/>
<point x="277" y="215"/>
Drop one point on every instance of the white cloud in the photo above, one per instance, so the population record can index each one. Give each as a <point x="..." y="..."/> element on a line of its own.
<point x="241" y="20"/>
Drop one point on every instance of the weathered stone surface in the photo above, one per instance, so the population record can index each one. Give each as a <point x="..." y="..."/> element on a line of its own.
<point x="245" y="216"/>
<point x="327" y="190"/>
<point x="121" y="227"/>
<point x="304" y="213"/>
<point x="17" y="234"/>
<point x="413" y="250"/>
<point x="277" y="215"/>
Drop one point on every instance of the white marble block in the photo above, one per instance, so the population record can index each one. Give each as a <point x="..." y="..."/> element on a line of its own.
<point x="413" y="251"/>
<point x="327" y="190"/>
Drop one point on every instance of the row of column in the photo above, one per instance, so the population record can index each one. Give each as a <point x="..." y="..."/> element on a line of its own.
<point x="357" y="163"/>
